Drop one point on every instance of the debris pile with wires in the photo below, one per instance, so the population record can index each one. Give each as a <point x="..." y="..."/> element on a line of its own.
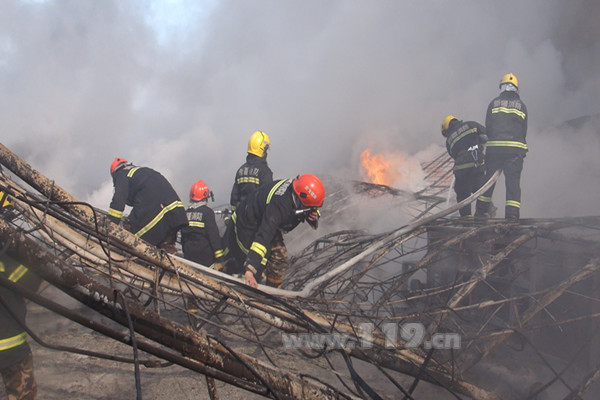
<point x="435" y="300"/>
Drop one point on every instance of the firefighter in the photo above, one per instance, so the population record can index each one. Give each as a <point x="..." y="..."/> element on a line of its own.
<point x="16" y="360"/>
<point x="157" y="212"/>
<point x="465" y="142"/>
<point x="255" y="172"/>
<point x="200" y="239"/>
<point x="506" y="127"/>
<point x="255" y="235"/>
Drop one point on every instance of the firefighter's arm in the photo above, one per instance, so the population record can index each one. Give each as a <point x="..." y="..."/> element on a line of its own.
<point x="31" y="281"/>
<point x="214" y="237"/>
<point x="117" y="205"/>
<point x="114" y="215"/>
<point x="234" y="198"/>
<point x="255" y="263"/>
<point x="482" y="137"/>
<point x="257" y="256"/>
<point x="19" y="273"/>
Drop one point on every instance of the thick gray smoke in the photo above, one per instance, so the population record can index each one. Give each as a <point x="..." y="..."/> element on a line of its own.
<point x="83" y="82"/>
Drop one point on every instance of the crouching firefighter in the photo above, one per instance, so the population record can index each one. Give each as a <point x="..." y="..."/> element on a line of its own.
<point x="157" y="213"/>
<point x="200" y="240"/>
<point x="255" y="236"/>
<point x="465" y="143"/>
<point x="16" y="360"/>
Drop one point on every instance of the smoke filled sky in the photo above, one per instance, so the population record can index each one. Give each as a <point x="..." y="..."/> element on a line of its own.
<point x="181" y="85"/>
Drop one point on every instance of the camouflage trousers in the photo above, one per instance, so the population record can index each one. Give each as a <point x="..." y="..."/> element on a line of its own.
<point x="19" y="381"/>
<point x="277" y="262"/>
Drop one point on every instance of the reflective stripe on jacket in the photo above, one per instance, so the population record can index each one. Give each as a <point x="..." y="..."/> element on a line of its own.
<point x="200" y="240"/>
<point x="506" y="124"/>
<point x="254" y="173"/>
<point x="260" y="217"/>
<point x="156" y="207"/>
<point x="13" y="339"/>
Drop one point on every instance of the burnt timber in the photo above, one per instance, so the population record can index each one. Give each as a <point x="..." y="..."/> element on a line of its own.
<point x="490" y="285"/>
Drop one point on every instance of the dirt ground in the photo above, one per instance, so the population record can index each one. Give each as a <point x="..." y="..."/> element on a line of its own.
<point x="68" y="376"/>
<point x="64" y="375"/>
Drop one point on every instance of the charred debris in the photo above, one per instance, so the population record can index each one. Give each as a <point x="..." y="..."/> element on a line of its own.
<point x="440" y="301"/>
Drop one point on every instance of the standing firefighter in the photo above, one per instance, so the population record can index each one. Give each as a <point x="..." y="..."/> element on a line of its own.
<point x="255" y="172"/>
<point x="201" y="240"/>
<point x="465" y="144"/>
<point x="255" y="236"/>
<point x="506" y="127"/>
<point x="16" y="360"/>
<point x="157" y="212"/>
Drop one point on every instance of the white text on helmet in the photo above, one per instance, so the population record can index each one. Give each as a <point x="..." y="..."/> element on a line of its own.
<point x="310" y="192"/>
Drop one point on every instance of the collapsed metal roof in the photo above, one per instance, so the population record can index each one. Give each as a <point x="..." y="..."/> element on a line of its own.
<point x="437" y="299"/>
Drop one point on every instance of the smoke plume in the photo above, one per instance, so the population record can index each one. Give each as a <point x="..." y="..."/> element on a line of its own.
<point x="181" y="90"/>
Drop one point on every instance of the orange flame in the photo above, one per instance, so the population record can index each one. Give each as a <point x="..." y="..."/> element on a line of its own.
<point x="381" y="169"/>
<point x="375" y="166"/>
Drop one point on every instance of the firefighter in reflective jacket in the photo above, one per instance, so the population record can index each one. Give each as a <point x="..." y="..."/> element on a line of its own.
<point x="200" y="239"/>
<point x="465" y="143"/>
<point x="16" y="360"/>
<point x="157" y="212"/>
<point x="258" y="224"/>
<point x="255" y="172"/>
<point x="506" y="127"/>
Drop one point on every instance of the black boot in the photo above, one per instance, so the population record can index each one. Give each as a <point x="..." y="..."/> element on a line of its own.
<point x="511" y="214"/>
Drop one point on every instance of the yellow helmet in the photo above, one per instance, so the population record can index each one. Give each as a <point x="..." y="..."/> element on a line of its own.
<point x="510" y="78"/>
<point x="446" y="123"/>
<point x="258" y="144"/>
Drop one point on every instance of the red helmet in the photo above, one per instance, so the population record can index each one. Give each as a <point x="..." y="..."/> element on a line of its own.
<point x="199" y="191"/>
<point x="116" y="164"/>
<point x="310" y="190"/>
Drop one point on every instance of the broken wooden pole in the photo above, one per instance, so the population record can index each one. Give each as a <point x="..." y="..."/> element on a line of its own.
<point x="151" y="325"/>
